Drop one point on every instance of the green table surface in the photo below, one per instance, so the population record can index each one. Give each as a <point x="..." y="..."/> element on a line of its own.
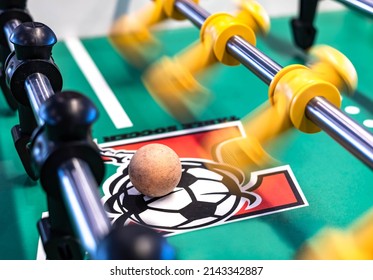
<point x="336" y="185"/>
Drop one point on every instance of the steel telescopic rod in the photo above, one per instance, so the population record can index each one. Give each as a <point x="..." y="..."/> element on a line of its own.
<point x="79" y="188"/>
<point x="257" y="62"/>
<point x="38" y="90"/>
<point x="341" y="128"/>
<point x="8" y="30"/>
<point x="347" y="132"/>
<point x="196" y="14"/>
<point x="364" y="6"/>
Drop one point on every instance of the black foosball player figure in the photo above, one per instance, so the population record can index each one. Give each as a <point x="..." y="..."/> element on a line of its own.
<point x="12" y="13"/>
<point x="31" y="55"/>
<point x="304" y="31"/>
<point x="64" y="157"/>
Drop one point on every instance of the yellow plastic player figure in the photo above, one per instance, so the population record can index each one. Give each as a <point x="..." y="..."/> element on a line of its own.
<point x="173" y="82"/>
<point x="290" y="91"/>
<point x="131" y="33"/>
<point x="354" y="243"/>
<point x="334" y="67"/>
<point x="249" y="153"/>
<point x="254" y="15"/>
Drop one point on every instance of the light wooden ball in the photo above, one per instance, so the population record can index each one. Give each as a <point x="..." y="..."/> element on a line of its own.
<point x="155" y="170"/>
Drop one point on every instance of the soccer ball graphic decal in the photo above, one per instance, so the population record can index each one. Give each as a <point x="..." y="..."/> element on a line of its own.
<point x="208" y="193"/>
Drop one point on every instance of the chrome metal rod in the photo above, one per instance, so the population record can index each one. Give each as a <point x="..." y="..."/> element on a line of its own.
<point x="79" y="190"/>
<point x="364" y="6"/>
<point x="39" y="89"/>
<point x="78" y="186"/>
<point x="8" y="30"/>
<point x="257" y="62"/>
<point x="342" y="128"/>
<point x="354" y="137"/>
<point x="194" y="13"/>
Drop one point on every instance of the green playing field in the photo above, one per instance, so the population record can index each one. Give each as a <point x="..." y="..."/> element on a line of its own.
<point x="334" y="186"/>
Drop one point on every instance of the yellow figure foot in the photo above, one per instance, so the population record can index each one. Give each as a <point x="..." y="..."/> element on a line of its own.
<point x="354" y="243"/>
<point x="131" y="35"/>
<point x="134" y="42"/>
<point x="244" y="153"/>
<point x="175" y="89"/>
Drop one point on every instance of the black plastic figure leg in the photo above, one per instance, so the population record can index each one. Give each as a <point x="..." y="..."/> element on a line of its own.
<point x="57" y="235"/>
<point x="303" y="30"/>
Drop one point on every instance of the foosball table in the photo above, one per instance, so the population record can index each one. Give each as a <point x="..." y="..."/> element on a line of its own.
<point x="271" y="120"/>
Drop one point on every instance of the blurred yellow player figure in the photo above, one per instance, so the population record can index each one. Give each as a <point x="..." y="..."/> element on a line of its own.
<point x="254" y="15"/>
<point x="289" y="92"/>
<point x="174" y="82"/>
<point x="249" y="153"/>
<point x="334" y="67"/>
<point x="353" y="243"/>
<point x="131" y="35"/>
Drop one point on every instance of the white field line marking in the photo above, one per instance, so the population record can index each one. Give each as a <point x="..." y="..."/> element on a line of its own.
<point x="104" y="93"/>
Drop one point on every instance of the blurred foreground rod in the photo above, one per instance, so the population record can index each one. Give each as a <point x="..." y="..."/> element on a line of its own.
<point x="66" y="160"/>
<point x="320" y="111"/>
<point x="79" y="187"/>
